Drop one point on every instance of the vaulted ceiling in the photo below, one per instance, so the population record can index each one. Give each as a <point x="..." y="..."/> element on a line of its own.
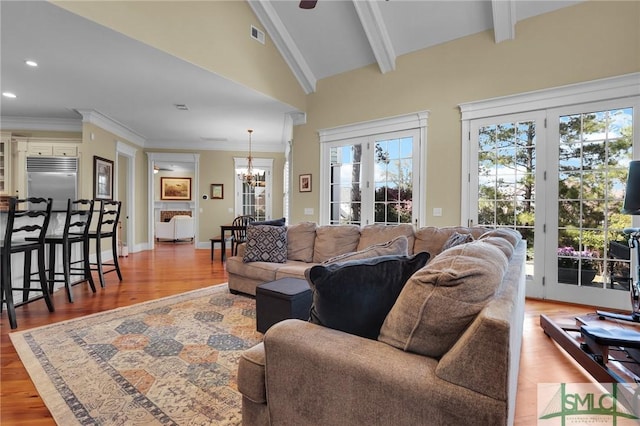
<point x="87" y="69"/>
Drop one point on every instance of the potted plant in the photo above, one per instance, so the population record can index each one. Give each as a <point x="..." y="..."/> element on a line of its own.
<point x="571" y="262"/>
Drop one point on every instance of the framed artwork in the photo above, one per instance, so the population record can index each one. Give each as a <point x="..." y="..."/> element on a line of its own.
<point x="217" y="191"/>
<point x="305" y="183"/>
<point x="102" y="178"/>
<point x="174" y="188"/>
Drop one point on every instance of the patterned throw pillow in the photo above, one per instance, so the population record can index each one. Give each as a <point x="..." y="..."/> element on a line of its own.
<point x="266" y="243"/>
<point x="456" y="239"/>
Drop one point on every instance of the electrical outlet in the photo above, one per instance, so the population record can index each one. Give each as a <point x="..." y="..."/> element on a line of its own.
<point x="308" y="211"/>
<point x="437" y="211"/>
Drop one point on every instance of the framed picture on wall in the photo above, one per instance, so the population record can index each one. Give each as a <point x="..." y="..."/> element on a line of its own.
<point x="217" y="191"/>
<point x="305" y="183"/>
<point x="173" y="188"/>
<point x="102" y="178"/>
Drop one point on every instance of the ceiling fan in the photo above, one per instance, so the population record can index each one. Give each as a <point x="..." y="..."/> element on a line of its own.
<point x="308" y="4"/>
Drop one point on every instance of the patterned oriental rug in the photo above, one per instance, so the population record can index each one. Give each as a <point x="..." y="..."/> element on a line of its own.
<point x="171" y="361"/>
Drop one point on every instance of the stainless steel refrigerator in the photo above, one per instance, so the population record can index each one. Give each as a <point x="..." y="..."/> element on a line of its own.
<point x="55" y="177"/>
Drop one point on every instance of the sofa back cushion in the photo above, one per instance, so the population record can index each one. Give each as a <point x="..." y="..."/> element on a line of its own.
<point x="440" y="301"/>
<point x="355" y="296"/>
<point x="399" y="246"/>
<point x="432" y="239"/>
<point x="378" y="233"/>
<point x="333" y="240"/>
<point x="301" y="239"/>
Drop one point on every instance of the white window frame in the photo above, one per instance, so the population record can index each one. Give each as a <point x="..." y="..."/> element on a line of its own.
<point x="332" y="136"/>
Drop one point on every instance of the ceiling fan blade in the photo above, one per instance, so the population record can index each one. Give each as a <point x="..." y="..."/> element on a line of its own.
<point x="308" y="4"/>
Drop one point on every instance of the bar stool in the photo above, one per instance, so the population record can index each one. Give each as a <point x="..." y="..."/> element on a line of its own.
<point x="106" y="228"/>
<point x="75" y="231"/>
<point x="25" y="234"/>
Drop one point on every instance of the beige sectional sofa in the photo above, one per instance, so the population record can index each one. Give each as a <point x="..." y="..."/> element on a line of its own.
<point x="309" y="244"/>
<point x="444" y="354"/>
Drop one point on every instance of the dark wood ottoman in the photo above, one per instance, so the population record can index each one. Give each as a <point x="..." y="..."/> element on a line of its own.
<point x="282" y="299"/>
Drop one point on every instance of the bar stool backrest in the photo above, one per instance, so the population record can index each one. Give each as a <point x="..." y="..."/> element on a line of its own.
<point x="78" y="220"/>
<point x="27" y="222"/>
<point x="108" y="218"/>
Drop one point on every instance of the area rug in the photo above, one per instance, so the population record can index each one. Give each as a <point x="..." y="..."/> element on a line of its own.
<point x="171" y="361"/>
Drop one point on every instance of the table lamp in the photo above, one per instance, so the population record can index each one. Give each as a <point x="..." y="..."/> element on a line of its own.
<point x="631" y="206"/>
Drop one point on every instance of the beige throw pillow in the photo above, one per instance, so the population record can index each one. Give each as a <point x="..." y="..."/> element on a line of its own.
<point x="439" y="301"/>
<point x="398" y="246"/>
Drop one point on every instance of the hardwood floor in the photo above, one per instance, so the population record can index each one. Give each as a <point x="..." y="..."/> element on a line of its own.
<point x="176" y="268"/>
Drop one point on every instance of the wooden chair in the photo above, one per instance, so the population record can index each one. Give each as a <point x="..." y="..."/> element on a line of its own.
<point x="25" y="233"/>
<point x="75" y="231"/>
<point x="240" y="235"/>
<point x="107" y="227"/>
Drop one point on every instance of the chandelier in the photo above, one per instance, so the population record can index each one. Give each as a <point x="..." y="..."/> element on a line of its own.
<point x="247" y="176"/>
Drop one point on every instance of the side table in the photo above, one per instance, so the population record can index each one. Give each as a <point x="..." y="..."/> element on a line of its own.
<point x="282" y="299"/>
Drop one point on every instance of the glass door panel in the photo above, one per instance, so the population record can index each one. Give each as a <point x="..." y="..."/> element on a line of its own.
<point x="393" y="180"/>
<point x="346" y="184"/>
<point x="504" y="182"/>
<point x="594" y="151"/>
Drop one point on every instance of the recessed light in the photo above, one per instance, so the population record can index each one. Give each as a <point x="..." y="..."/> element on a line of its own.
<point x="31" y="63"/>
<point x="9" y="95"/>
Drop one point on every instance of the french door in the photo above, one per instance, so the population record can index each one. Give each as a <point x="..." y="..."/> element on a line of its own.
<point x="507" y="183"/>
<point x="587" y="251"/>
<point x="558" y="176"/>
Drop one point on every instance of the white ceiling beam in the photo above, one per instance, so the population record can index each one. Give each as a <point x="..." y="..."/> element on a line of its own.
<point x="376" y="31"/>
<point x="504" y="19"/>
<point x="285" y="44"/>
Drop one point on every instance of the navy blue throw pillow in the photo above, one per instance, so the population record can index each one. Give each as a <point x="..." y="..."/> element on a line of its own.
<point x="274" y="222"/>
<point x="356" y="296"/>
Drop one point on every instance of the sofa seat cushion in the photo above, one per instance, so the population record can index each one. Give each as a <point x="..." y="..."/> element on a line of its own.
<point x="293" y="269"/>
<point x="378" y="233"/>
<point x="356" y="296"/>
<point x="260" y="271"/>
<point x="398" y="246"/>
<point x="251" y="374"/>
<point x="440" y="301"/>
<point x="301" y="239"/>
<point x="333" y="240"/>
<point x="265" y="243"/>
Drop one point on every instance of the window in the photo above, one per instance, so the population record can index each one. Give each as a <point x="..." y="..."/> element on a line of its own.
<point x="371" y="172"/>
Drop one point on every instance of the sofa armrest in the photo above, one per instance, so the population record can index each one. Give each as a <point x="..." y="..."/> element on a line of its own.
<point x="490" y="347"/>
<point x="316" y="375"/>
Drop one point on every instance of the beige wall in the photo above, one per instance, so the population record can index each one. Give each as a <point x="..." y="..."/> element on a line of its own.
<point x="589" y="41"/>
<point x="211" y="34"/>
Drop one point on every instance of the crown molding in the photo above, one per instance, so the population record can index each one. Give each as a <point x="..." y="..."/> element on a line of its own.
<point x="110" y="125"/>
<point x="285" y="44"/>
<point x="377" y="34"/>
<point x="215" y="146"/>
<point x="33" y="123"/>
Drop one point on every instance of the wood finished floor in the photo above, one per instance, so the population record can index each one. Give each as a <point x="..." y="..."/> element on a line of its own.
<point x="176" y="268"/>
